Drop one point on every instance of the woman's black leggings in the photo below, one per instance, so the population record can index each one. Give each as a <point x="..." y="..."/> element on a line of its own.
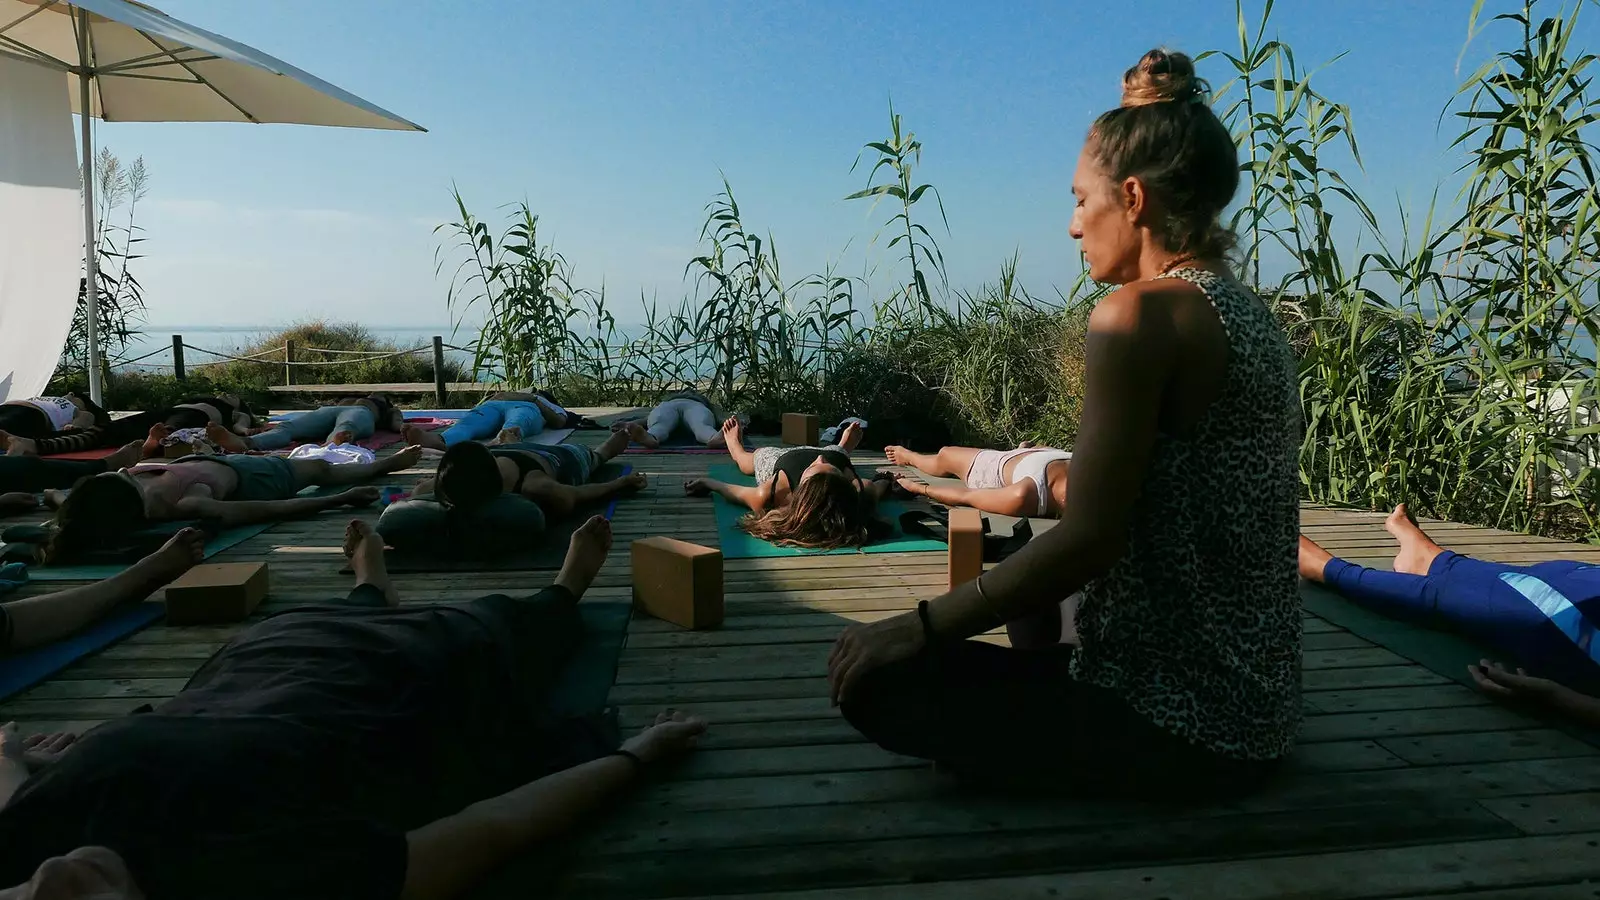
<point x="1018" y="718"/>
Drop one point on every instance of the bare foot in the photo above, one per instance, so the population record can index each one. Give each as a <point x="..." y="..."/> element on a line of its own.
<point x="129" y="454"/>
<point x="900" y="456"/>
<point x="850" y="438"/>
<point x="641" y="436"/>
<point x="1313" y="559"/>
<point x="11" y="504"/>
<point x="585" y="555"/>
<point x="53" y="498"/>
<point x="509" y="436"/>
<point x="152" y="444"/>
<point x="418" y="437"/>
<point x="1417" y="550"/>
<point x="182" y="552"/>
<point x="732" y="434"/>
<point x="341" y="437"/>
<point x="365" y="549"/>
<point x="405" y="459"/>
<point x="18" y="446"/>
<point x="226" y="439"/>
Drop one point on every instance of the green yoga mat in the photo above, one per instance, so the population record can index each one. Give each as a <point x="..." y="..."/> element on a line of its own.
<point x="222" y="540"/>
<point x="738" y="545"/>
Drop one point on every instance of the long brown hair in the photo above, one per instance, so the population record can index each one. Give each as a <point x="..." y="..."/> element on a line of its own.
<point x="825" y="512"/>
<point x="100" y="511"/>
<point x="1166" y="134"/>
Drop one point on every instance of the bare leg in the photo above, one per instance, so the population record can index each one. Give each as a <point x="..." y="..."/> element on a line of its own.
<point x="733" y="439"/>
<point x="417" y="437"/>
<point x="152" y="444"/>
<point x="51" y="617"/>
<point x="1417" y="550"/>
<point x="1313" y="560"/>
<point x="585" y="555"/>
<point x="17" y="503"/>
<point x="949" y="462"/>
<point x="365" y="550"/>
<point x="128" y="454"/>
<point x="615" y="444"/>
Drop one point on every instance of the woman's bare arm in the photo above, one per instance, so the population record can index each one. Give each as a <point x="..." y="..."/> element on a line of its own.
<point x="1128" y="357"/>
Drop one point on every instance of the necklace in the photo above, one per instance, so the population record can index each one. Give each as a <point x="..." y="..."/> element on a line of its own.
<point x="1175" y="262"/>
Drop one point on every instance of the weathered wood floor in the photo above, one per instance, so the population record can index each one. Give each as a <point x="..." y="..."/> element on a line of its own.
<point x="1405" y="784"/>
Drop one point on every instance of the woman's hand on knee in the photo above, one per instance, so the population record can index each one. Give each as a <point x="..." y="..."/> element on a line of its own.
<point x="862" y="648"/>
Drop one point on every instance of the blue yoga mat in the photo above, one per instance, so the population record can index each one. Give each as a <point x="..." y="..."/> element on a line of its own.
<point x="738" y="545"/>
<point x="20" y="671"/>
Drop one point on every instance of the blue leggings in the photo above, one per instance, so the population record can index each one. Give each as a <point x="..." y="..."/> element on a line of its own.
<point x="317" y="425"/>
<point x="1542" y="616"/>
<point x="487" y="418"/>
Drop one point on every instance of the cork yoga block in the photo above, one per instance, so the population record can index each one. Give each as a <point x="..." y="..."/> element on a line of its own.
<point x="966" y="546"/>
<point x="678" y="582"/>
<point x="216" y="593"/>
<point x="801" y="429"/>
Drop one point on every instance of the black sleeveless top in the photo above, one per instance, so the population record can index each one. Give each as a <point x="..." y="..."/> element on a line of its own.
<point x="794" y="463"/>
<point x="526" y="464"/>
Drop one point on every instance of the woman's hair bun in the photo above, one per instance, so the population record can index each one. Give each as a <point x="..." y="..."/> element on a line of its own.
<point x="1162" y="77"/>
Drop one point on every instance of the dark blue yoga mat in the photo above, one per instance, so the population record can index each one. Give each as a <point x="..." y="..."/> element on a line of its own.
<point x="20" y="671"/>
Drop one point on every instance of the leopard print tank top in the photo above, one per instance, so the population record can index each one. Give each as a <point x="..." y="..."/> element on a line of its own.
<point x="1197" y="627"/>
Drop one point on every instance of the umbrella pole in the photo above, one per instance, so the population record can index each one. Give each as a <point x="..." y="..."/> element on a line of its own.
<point x="91" y="275"/>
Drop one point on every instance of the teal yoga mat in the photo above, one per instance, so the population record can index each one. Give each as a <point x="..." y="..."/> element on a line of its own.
<point x="738" y="545"/>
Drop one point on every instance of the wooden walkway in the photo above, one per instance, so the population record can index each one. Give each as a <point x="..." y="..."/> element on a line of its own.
<point x="1405" y="783"/>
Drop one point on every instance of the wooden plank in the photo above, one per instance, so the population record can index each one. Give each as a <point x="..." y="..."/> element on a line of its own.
<point x="1350" y="875"/>
<point x="1489" y="746"/>
<point x="1381" y="699"/>
<point x="941" y="858"/>
<point x="1552" y="814"/>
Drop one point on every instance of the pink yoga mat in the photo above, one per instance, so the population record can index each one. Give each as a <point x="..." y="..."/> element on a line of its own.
<point x="98" y="453"/>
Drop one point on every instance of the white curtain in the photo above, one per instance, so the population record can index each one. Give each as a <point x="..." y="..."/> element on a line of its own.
<point x="41" y="224"/>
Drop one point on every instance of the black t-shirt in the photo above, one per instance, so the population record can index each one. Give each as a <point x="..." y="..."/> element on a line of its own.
<point x="301" y="754"/>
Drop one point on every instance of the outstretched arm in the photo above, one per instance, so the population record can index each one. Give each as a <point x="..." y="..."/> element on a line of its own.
<point x="755" y="499"/>
<point x="446" y="858"/>
<point x="250" y="512"/>
<point x="1012" y="500"/>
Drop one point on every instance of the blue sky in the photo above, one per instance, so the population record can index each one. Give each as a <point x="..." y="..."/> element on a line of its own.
<point x="614" y="119"/>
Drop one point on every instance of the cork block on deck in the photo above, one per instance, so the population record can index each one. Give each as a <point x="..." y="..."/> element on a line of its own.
<point x="678" y="582"/>
<point x="966" y="546"/>
<point x="216" y="593"/>
<point x="801" y="429"/>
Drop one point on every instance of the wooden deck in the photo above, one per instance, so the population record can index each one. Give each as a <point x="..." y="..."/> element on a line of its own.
<point x="1405" y="783"/>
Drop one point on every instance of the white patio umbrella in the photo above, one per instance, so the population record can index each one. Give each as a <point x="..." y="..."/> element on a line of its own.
<point x="133" y="63"/>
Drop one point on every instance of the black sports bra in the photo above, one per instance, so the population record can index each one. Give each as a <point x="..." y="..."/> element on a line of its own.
<point x="527" y="463"/>
<point x="793" y="464"/>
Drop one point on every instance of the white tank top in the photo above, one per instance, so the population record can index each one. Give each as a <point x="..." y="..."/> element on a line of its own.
<point x="60" y="410"/>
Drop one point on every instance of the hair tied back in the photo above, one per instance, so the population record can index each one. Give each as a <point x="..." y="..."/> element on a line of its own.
<point x="1163" y="77"/>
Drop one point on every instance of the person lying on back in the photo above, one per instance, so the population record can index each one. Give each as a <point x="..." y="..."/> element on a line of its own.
<point x="345" y="751"/>
<point x="1028" y="481"/>
<point x="233" y="490"/>
<point x="558" y="477"/>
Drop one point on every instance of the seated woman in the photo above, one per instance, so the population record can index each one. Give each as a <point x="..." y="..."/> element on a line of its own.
<point x="353" y="750"/>
<point x="43" y="417"/>
<point x="35" y="621"/>
<point x="1028" y="481"/>
<point x="685" y="410"/>
<point x="1179" y="530"/>
<point x="808" y="497"/>
<point x="234" y="490"/>
<point x="555" y="476"/>
<point x="1542" y="615"/>
<point x="150" y="427"/>
<point x="342" y="421"/>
